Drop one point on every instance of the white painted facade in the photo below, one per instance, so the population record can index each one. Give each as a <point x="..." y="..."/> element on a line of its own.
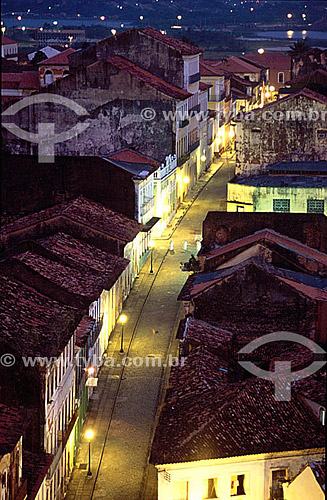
<point x="189" y="481"/>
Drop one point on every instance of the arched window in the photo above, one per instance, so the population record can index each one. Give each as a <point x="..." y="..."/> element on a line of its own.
<point x="48" y="77"/>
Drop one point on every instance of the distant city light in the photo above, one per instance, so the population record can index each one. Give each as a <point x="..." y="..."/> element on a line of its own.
<point x="55" y="23"/>
<point x="28" y="11"/>
<point x="102" y="18"/>
<point x="41" y="29"/>
<point x="304" y="16"/>
<point x="78" y="15"/>
<point x="122" y="25"/>
<point x="261" y="51"/>
<point x="251" y="9"/>
<point x="114" y="32"/>
<point x="19" y="18"/>
<point x="179" y="17"/>
<point x="290" y="33"/>
<point x="23" y="28"/>
<point x="304" y="32"/>
<point x="141" y="18"/>
<point x="289" y="15"/>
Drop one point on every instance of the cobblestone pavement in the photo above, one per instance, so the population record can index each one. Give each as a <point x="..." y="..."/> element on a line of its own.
<point x="124" y="405"/>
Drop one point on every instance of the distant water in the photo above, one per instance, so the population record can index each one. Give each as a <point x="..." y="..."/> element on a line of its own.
<point x="293" y="35"/>
<point x="35" y="23"/>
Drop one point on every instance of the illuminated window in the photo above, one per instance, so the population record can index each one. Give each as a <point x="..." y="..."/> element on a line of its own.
<point x="315" y="206"/>
<point x="322" y="415"/>
<point x="281" y="205"/>
<point x="210" y="488"/>
<point x="180" y="490"/>
<point x="240" y="208"/>
<point x="237" y="485"/>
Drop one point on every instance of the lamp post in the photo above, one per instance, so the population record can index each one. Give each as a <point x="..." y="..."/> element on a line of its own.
<point x="89" y="435"/>
<point x="151" y="246"/>
<point x="122" y="321"/>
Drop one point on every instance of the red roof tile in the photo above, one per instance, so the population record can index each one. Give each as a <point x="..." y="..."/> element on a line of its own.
<point x="272" y="236"/>
<point x="33" y="324"/>
<point x="148" y="78"/>
<point x="271" y="60"/>
<point x="84" y="284"/>
<point x="11" y="427"/>
<point x="7" y="41"/>
<point x="25" y="80"/>
<point x="233" y="64"/>
<point x="204" y="86"/>
<point x="84" y="330"/>
<point x="130" y="156"/>
<point x="206" y="69"/>
<point x="35" y="468"/>
<point x="59" y="59"/>
<point x="85" y="212"/>
<point x="83" y="256"/>
<point x="184" y="48"/>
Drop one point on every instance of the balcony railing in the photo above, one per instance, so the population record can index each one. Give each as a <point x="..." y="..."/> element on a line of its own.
<point x="147" y="205"/>
<point x="194" y="78"/>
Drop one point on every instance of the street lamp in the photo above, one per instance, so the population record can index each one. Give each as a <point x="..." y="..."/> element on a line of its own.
<point x="70" y="38"/>
<point x="89" y="435"/>
<point x="186" y="180"/>
<point x="122" y="321"/>
<point x="151" y="246"/>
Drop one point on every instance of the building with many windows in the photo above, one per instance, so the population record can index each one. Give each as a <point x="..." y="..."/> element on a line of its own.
<point x="297" y="187"/>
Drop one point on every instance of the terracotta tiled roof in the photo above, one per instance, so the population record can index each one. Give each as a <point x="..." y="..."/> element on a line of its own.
<point x="84" y="284"/>
<point x="206" y="69"/>
<point x="11" y="428"/>
<point x="149" y="78"/>
<point x="85" y="212"/>
<point x="7" y="41"/>
<point x="234" y="64"/>
<point x="82" y="256"/>
<point x="33" y="324"/>
<point x="130" y="156"/>
<point x="271" y="60"/>
<point x="272" y="236"/>
<point x="35" y="468"/>
<point x="28" y="80"/>
<point x="199" y="332"/>
<point x="249" y="421"/>
<point x="83" y="330"/>
<point x="59" y="59"/>
<point x="184" y="48"/>
<point x="199" y="283"/>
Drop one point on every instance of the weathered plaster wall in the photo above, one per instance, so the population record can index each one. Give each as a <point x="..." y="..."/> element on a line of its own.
<point x="265" y="139"/>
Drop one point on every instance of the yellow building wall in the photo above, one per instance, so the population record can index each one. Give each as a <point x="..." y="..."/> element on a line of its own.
<point x="261" y="198"/>
<point x="304" y="487"/>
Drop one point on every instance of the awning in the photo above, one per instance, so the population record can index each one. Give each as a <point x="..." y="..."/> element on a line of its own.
<point x="150" y="224"/>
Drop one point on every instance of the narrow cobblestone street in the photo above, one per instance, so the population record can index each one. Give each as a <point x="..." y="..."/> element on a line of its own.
<point x="124" y="405"/>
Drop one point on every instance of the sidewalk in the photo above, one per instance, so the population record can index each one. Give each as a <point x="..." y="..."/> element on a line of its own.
<point x="124" y="405"/>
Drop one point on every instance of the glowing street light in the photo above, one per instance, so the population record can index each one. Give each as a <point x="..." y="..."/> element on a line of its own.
<point x="261" y="51"/>
<point x="203" y="158"/>
<point x="289" y="15"/>
<point x="113" y="32"/>
<point x="3" y="29"/>
<point x="70" y="38"/>
<point x="272" y="88"/>
<point x="89" y="436"/>
<point x="122" y="320"/>
<point x="90" y="371"/>
<point x="186" y="180"/>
